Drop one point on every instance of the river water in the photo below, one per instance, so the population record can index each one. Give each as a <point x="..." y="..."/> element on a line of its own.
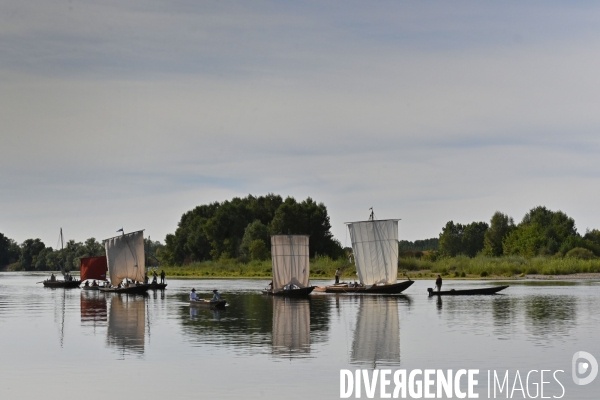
<point x="73" y="344"/>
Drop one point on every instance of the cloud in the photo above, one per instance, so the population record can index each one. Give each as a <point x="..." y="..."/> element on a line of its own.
<point x="133" y="113"/>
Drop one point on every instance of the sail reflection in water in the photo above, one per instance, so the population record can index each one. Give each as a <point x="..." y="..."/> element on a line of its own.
<point x="93" y="308"/>
<point x="377" y="335"/>
<point x="291" y="326"/>
<point x="126" y="323"/>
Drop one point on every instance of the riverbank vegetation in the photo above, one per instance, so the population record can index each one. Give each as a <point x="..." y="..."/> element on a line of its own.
<point x="231" y="239"/>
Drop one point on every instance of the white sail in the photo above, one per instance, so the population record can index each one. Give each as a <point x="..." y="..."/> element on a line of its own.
<point x="290" y="260"/>
<point x="377" y="334"/>
<point x="125" y="256"/>
<point x="291" y="325"/>
<point x="375" y="247"/>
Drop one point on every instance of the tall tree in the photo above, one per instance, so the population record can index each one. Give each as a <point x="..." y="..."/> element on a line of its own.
<point x="501" y="225"/>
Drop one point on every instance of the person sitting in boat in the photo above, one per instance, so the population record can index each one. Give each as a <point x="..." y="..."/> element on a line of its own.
<point x="94" y="284"/>
<point x="87" y="284"/>
<point x="193" y="295"/>
<point x="52" y="278"/>
<point x="216" y="296"/>
<point x="438" y="283"/>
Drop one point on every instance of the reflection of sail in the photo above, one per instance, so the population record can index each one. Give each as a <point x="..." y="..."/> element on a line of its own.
<point x="126" y="323"/>
<point x="377" y="334"/>
<point x="291" y="325"/>
<point x="93" y="308"/>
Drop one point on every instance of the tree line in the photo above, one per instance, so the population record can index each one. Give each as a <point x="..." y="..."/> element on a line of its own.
<point x="33" y="255"/>
<point x="240" y="229"/>
<point x="541" y="232"/>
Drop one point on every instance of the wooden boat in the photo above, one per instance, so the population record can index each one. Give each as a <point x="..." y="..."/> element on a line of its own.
<point x="92" y="269"/>
<point x="157" y="286"/>
<point x="66" y="283"/>
<point x="126" y="260"/>
<point x="209" y="303"/>
<point x="393" y="288"/>
<point x="290" y="265"/>
<point x="61" y="284"/>
<point x="375" y="250"/>
<point x="291" y="292"/>
<point x="466" y="292"/>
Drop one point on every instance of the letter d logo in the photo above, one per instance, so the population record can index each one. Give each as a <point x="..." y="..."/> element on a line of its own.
<point x="581" y="367"/>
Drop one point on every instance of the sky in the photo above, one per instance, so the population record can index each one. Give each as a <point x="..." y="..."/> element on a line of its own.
<point x="128" y="114"/>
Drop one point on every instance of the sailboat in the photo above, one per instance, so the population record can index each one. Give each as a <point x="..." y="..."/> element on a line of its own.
<point x="68" y="282"/>
<point x="291" y="267"/>
<point x="92" y="268"/>
<point x="125" y="256"/>
<point x="375" y="248"/>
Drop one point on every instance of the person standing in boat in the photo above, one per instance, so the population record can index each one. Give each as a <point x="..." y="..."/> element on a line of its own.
<point x="154" y="277"/>
<point x="193" y="295"/>
<point x="216" y="296"/>
<point x="337" y="276"/>
<point x="438" y="283"/>
<point x="162" y="276"/>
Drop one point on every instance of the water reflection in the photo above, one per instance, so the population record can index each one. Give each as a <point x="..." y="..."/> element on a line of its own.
<point x="93" y="308"/>
<point x="257" y="323"/>
<point x="550" y="315"/>
<point x="377" y="334"/>
<point x="126" y="323"/>
<point x="291" y="325"/>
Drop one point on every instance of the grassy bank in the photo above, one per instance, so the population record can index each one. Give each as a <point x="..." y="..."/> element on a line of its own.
<point x="321" y="267"/>
<point x="499" y="266"/>
<point x="457" y="267"/>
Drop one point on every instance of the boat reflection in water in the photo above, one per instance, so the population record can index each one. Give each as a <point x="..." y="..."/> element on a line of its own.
<point x="126" y="323"/>
<point x="93" y="308"/>
<point x="291" y="326"/>
<point x="377" y="335"/>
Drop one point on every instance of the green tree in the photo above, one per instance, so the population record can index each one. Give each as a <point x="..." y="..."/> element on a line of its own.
<point x="473" y="238"/>
<point x="501" y="225"/>
<point x="254" y="231"/>
<point x="541" y="231"/>
<point x="30" y="249"/>
<point x="258" y="250"/>
<point x="9" y="251"/>
<point x="451" y="239"/>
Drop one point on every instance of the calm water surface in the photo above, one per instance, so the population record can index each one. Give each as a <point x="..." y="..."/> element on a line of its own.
<point x="69" y="344"/>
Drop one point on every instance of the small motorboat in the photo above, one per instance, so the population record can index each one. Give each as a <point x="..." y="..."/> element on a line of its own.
<point x="209" y="303"/>
<point x="466" y="292"/>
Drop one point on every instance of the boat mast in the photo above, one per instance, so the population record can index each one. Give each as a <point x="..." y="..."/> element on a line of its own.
<point x="62" y="252"/>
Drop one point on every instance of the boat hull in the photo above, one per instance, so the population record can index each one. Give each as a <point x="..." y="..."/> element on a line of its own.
<point x="467" y="292"/>
<point x="61" y="284"/>
<point x="394" y="288"/>
<point x="292" y="292"/>
<point x="157" y="286"/>
<point x="208" y="303"/>
<point x="90" y="288"/>
<point x="136" y="289"/>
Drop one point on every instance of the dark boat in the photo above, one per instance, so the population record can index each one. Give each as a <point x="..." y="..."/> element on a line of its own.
<point x="157" y="286"/>
<point x="393" y="288"/>
<point x="291" y="292"/>
<point x="132" y="289"/>
<point x="467" y="292"/>
<point x="209" y="303"/>
<point x="61" y="284"/>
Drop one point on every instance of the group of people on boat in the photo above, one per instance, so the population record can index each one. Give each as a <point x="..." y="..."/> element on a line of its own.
<point x="194" y="296"/>
<point x="155" y="277"/>
<point x="68" y="277"/>
<point x="94" y="284"/>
